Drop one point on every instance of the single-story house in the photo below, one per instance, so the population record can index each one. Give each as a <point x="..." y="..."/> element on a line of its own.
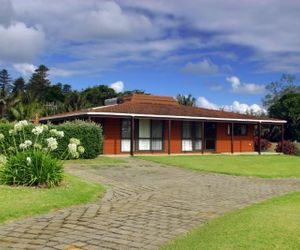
<point x="141" y="123"/>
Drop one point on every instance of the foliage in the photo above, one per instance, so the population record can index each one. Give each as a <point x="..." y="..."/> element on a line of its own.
<point x="265" y="166"/>
<point x="22" y="100"/>
<point x="287" y="107"/>
<point x="5" y="83"/>
<point x="188" y="100"/>
<point x="42" y="169"/>
<point x="89" y="133"/>
<point x="273" y="224"/>
<point x="276" y="89"/>
<point x="95" y="96"/>
<point x="289" y="148"/>
<point x="264" y="144"/>
<point x="16" y="203"/>
<point x="30" y="161"/>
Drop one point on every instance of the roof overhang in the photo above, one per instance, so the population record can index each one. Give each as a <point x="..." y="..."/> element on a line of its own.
<point x="163" y="117"/>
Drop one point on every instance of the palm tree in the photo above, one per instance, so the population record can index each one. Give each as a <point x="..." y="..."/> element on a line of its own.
<point x="187" y="100"/>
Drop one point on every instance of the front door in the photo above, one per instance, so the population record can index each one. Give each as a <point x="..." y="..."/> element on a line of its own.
<point x="210" y="133"/>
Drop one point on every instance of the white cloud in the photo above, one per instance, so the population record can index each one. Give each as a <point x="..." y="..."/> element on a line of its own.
<point x="244" y="88"/>
<point x="130" y="30"/>
<point x="204" y="103"/>
<point x="24" y="68"/>
<point x="236" y="106"/>
<point x="202" y="67"/>
<point x="20" y="43"/>
<point x="117" y="86"/>
<point x="27" y="69"/>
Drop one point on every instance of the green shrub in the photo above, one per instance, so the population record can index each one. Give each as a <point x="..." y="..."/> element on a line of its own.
<point x="32" y="168"/>
<point x="89" y="133"/>
<point x="31" y="158"/>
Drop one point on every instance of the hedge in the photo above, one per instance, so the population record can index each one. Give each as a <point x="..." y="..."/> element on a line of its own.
<point x="89" y="133"/>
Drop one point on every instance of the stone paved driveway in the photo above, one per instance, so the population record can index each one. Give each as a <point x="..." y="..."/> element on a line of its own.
<point x="146" y="206"/>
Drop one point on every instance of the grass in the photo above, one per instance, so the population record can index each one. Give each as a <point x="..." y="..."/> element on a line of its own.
<point x="18" y="202"/>
<point x="100" y="160"/>
<point x="274" y="224"/>
<point x="265" y="166"/>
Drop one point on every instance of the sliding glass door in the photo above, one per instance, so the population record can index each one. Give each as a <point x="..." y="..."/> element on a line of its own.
<point x="191" y="136"/>
<point x="210" y="131"/>
<point x="150" y="135"/>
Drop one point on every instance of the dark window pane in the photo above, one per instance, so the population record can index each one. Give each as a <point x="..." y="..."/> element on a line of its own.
<point x="240" y="129"/>
<point x="186" y="130"/>
<point x="210" y="144"/>
<point x="198" y="126"/>
<point x="157" y="129"/>
<point x="126" y="129"/>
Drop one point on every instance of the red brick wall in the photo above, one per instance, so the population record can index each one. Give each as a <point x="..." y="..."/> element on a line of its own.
<point x="241" y="143"/>
<point x="111" y="129"/>
<point x="176" y="137"/>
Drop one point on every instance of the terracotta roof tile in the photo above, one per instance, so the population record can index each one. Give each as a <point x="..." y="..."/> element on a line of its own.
<point x="159" y="105"/>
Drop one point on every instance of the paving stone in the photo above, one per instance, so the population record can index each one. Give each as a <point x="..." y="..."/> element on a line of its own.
<point x="146" y="206"/>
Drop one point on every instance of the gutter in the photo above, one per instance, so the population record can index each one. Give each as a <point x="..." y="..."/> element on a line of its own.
<point x="162" y="116"/>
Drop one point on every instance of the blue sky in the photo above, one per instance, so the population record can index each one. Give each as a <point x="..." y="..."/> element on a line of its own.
<point x="221" y="52"/>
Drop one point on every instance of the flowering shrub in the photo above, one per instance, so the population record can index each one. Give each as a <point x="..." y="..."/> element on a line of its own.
<point x="31" y="162"/>
<point x="265" y="144"/>
<point x="289" y="148"/>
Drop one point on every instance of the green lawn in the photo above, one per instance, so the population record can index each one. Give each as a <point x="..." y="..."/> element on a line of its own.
<point x="17" y="202"/>
<point x="266" y="166"/>
<point x="274" y="224"/>
<point x="100" y="160"/>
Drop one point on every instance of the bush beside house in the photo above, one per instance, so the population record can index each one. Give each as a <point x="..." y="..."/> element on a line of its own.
<point x="265" y="144"/>
<point x="289" y="148"/>
<point x="89" y="134"/>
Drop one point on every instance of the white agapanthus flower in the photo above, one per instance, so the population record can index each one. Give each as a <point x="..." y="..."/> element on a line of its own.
<point x="81" y="150"/>
<point x="28" y="143"/>
<point x="45" y="127"/>
<point x="20" y="125"/>
<point x="72" y="149"/>
<point x="22" y="146"/>
<point x="1" y="136"/>
<point x="75" y="141"/>
<point x="3" y="159"/>
<point x="52" y="143"/>
<point x="11" y="131"/>
<point x="28" y="159"/>
<point x="60" y="134"/>
<point x="38" y="130"/>
<point x="57" y="133"/>
<point x="37" y="145"/>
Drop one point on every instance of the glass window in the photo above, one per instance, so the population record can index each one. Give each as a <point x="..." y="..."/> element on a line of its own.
<point x="125" y="135"/>
<point x="157" y="135"/>
<point x="150" y="135"/>
<point x="238" y="129"/>
<point x="144" y="134"/>
<point x="191" y="136"/>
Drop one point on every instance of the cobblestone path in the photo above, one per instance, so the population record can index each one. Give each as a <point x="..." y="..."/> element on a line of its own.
<point x="146" y="206"/>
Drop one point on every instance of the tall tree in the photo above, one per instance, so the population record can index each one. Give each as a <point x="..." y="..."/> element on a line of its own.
<point x="95" y="96"/>
<point x="276" y="89"/>
<point x="187" y="100"/>
<point x="287" y="107"/>
<point x="39" y="82"/>
<point x="5" y="83"/>
<point x="18" y="87"/>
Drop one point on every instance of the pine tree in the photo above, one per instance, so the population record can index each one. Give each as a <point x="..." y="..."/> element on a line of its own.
<point x="5" y="83"/>
<point x="39" y="82"/>
<point x="18" y="87"/>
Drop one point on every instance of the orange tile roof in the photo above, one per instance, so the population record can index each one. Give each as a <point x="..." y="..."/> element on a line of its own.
<point x="140" y="104"/>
